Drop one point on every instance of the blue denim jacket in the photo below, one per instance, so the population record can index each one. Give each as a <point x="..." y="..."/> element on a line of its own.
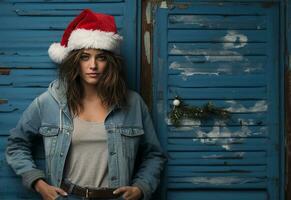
<point x="129" y="129"/>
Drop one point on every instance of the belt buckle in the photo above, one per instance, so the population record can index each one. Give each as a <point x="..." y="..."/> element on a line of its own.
<point x="87" y="192"/>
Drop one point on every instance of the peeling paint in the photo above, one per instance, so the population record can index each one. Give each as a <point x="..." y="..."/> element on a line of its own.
<point x="224" y="58"/>
<point x="187" y="19"/>
<point x="260" y="106"/>
<point x="3" y="101"/>
<point x="4" y="71"/>
<point x="187" y="122"/>
<point x="214" y="137"/>
<point x="235" y="155"/>
<point x="224" y="131"/>
<point x="220" y="141"/>
<point x="191" y="70"/>
<point x="221" y="180"/>
<point x="147" y="46"/>
<point x="176" y="50"/>
<point x="183" y="128"/>
<point x="148" y="12"/>
<point x="251" y="70"/>
<point x="218" y="131"/>
<point x="234" y="40"/>
<point x="226" y="147"/>
<point x="164" y="5"/>
<point x="247" y="121"/>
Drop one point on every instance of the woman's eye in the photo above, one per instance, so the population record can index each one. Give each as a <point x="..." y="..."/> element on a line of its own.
<point x="84" y="57"/>
<point x="101" y="58"/>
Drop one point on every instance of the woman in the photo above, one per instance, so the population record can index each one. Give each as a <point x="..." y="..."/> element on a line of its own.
<point x="93" y="126"/>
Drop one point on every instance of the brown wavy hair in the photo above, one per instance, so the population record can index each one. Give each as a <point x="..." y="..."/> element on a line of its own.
<point x="111" y="88"/>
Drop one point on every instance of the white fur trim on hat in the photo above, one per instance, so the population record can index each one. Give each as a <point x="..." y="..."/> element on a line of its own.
<point x="82" y="38"/>
<point x="57" y="52"/>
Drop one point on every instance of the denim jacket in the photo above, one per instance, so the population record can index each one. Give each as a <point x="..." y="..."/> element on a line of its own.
<point x="130" y="130"/>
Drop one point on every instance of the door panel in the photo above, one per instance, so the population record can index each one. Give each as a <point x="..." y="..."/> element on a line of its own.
<point x="226" y="53"/>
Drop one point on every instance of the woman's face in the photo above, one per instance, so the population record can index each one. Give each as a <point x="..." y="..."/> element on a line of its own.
<point x="92" y="64"/>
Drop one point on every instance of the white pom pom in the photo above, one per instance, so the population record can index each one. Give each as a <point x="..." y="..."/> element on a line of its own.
<point x="57" y="52"/>
<point x="176" y="102"/>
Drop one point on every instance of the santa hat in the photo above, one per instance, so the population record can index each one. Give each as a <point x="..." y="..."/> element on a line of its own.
<point x="87" y="30"/>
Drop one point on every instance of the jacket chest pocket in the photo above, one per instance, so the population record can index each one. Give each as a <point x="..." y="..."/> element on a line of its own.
<point x="130" y="138"/>
<point x="50" y="137"/>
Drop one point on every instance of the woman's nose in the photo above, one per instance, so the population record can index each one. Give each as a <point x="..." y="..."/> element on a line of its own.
<point x="94" y="65"/>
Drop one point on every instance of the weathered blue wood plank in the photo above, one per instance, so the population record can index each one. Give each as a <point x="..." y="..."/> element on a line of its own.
<point x="217" y="65"/>
<point x="233" y="106"/>
<point x="225" y="8"/>
<point x="217" y="194"/>
<point x="29" y="37"/>
<point x="218" y="132"/>
<point x="217" y="182"/>
<point x="13" y="105"/>
<point x="218" y="93"/>
<point x="215" y="22"/>
<point x="113" y="8"/>
<point x="256" y="119"/>
<point x="206" y="79"/>
<point x="62" y="1"/>
<point x="43" y="23"/>
<point x="10" y="58"/>
<point x="19" y="93"/>
<point x="242" y="47"/>
<point x="218" y="169"/>
<point x="217" y="161"/>
<point x="217" y="147"/>
<point x="197" y="142"/>
<point x="28" y="78"/>
<point x="216" y="36"/>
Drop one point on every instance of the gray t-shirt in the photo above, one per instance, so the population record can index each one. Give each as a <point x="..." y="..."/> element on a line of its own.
<point x="86" y="164"/>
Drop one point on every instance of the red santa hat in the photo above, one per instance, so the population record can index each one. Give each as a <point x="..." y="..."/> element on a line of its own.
<point x="87" y="30"/>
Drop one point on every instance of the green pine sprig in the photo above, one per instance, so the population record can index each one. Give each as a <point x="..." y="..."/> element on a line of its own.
<point x="208" y="110"/>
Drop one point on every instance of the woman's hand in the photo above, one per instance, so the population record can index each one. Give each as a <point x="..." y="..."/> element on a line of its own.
<point x="47" y="191"/>
<point x="129" y="192"/>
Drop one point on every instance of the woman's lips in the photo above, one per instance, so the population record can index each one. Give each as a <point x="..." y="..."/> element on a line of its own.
<point x="93" y="75"/>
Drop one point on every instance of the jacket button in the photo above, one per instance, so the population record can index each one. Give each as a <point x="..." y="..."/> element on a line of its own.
<point x="61" y="154"/>
<point x="112" y="153"/>
<point x="113" y="178"/>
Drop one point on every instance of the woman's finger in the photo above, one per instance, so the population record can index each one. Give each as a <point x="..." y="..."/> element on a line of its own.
<point x="61" y="191"/>
<point x="120" y="190"/>
<point x="127" y="194"/>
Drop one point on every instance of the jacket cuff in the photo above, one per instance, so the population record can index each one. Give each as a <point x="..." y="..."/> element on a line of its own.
<point x="144" y="187"/>
<point x="29" y="177"/>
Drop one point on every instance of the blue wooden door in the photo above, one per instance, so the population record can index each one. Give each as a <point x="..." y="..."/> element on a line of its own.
<point x="226" y="53"/>
<point x="27" y="30"/>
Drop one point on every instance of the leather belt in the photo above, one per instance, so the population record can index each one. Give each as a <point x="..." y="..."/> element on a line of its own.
<point x="102" y="193"/>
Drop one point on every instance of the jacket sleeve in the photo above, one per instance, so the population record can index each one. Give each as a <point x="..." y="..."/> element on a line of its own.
<point x="153" y="160"/>
<point x="18" y="151"/>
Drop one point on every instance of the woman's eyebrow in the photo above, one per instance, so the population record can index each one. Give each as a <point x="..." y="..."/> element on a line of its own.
<point x="90" y="54"/>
